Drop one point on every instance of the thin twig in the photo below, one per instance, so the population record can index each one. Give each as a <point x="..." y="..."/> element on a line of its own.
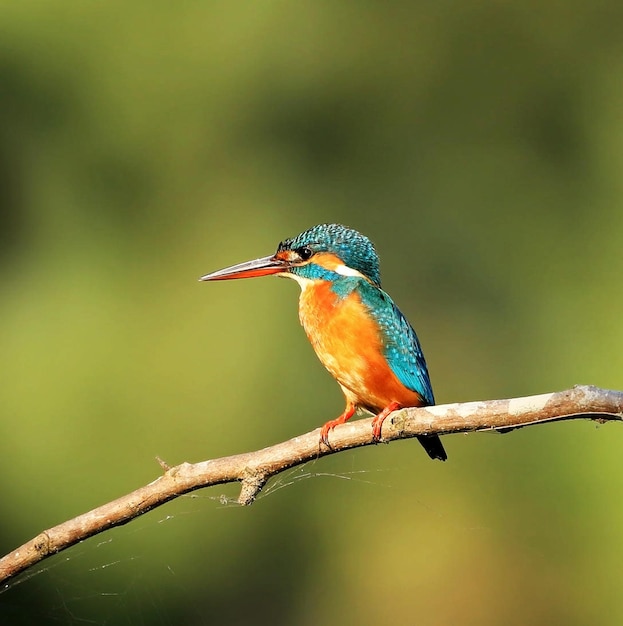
<point x="253" y="469"/>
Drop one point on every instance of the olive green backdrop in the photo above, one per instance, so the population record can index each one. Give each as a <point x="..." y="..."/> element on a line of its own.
<point x="480" y="146"/>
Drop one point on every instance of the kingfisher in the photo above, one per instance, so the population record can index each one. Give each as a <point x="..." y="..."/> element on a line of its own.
<point x="356" y="330"/>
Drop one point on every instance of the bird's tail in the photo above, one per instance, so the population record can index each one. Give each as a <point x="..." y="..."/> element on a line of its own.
<point x="433" y="446"/>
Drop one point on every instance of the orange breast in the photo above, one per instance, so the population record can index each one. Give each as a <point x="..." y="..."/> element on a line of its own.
<point x="349" y="344"/>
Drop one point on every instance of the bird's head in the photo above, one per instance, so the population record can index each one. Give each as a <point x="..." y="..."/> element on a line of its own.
<point x="324" y="252"/>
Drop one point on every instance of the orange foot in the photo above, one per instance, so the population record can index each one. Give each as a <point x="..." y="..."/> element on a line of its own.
<point x="377" y="422"/>
<point x="324" y="432"/>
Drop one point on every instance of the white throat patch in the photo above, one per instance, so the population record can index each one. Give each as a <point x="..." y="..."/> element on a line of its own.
<point x="303" y="282"/>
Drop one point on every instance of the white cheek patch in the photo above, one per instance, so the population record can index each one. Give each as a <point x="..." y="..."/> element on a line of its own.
<point x="344" y="270"/>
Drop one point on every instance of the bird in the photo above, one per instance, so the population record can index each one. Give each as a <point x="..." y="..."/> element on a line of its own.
<point x="357" y="331"/>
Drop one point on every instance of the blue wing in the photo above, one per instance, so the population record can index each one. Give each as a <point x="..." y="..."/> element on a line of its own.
<point x="402" y="347"/>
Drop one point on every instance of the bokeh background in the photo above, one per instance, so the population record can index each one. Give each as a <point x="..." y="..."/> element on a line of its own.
<point x="478" y="143"/>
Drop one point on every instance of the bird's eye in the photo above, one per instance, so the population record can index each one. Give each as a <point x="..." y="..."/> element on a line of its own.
<point x="305" y="253"/>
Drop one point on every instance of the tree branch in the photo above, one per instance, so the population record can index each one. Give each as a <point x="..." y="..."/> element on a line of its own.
<point x="253" y="469"/>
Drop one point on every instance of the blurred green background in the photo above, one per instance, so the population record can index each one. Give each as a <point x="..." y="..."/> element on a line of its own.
<point x="478" y="143"/>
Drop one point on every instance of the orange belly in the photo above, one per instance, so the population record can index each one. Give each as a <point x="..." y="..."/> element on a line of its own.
<point x="349" y="344"/>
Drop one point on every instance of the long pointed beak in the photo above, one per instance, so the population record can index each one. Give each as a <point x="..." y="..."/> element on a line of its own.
<point x="250" y="269"/>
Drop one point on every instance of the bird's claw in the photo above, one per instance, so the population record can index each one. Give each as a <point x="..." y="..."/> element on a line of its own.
<point x="376" y="430"/>
<point x="331" y="424"/>
<point x="377" y="422"/>
<point x="324" y="434"/>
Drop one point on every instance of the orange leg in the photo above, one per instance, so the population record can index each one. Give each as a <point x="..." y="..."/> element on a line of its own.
<point x="324" y="432"/>
<point x="377" y="422"/>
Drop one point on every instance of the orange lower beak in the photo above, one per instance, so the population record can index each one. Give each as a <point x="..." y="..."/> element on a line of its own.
<point x="250" y="269"/>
